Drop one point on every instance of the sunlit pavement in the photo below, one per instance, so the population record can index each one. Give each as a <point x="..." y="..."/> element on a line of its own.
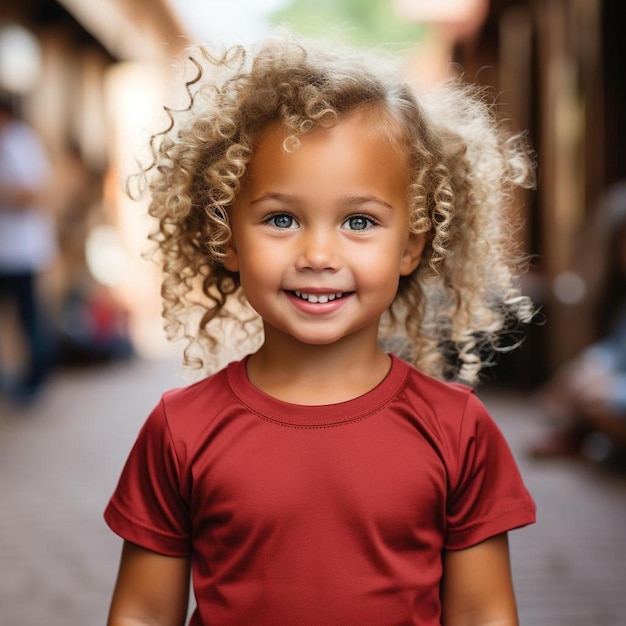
<point x="59" y="462"/>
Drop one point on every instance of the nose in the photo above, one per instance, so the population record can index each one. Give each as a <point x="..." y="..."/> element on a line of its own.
<point x="318" y="251"/>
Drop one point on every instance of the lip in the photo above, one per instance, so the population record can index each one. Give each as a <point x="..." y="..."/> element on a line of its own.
<point x="319" y="297"/>
<point x="333" y="301"/>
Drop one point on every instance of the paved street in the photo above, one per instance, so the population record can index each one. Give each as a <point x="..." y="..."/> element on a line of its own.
<point x="59" y="463"/>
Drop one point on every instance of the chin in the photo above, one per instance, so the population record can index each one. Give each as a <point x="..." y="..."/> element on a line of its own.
<point x="318" y="341"/>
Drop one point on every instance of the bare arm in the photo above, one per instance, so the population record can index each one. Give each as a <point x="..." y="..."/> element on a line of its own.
<point x="478" y="587"/>
<point x="151" y="589"/>
<point x="18" y="197"/>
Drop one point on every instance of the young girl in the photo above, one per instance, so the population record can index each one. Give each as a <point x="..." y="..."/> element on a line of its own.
<point x="321" y="480"/>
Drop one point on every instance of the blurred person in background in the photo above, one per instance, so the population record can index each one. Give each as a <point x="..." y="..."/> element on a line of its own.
<point x="27" y="244"/>
<point x="586" y="398"/>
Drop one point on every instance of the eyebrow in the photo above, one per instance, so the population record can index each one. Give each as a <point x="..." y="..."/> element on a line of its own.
<point x="358" y="200"/>
<point x="349" y="200"/>
<point x="280" y="197"/>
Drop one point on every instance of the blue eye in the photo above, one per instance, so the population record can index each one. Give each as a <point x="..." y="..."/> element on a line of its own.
<point x="282" y="220"/>
<point x="358" y="222"/>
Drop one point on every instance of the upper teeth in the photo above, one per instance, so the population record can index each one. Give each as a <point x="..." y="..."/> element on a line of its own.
<point x="321" y="298"/>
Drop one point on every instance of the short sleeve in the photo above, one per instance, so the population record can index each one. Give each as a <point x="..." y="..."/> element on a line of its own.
<point x="487" y="495"/>
<point x="147" y="507"/>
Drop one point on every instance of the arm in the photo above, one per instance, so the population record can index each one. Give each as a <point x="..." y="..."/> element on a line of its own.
<point x="151" y="589"/>
<point x="17" y="197"/>
<point x="477" y="588"/>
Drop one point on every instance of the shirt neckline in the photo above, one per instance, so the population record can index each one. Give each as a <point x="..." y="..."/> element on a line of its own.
<point x="317" y="416"/>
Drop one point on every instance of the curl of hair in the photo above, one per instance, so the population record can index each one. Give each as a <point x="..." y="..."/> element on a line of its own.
<point x="461" y="299"/>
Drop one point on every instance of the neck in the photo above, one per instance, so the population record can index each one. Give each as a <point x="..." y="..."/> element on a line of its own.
<point x="318" y="374"/>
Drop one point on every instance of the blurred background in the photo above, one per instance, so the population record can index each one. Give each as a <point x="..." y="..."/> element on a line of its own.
<point x="90" y="77"/>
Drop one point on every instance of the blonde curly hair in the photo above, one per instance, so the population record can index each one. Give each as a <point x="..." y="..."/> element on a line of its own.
<point x="454" y="309"/>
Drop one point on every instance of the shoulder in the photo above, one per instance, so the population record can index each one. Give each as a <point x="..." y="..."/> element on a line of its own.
<point x="185" y="416"/>
<point x="197" y="397"/>
<point x="22" y="134"/>
<point x="188" y="393"/>
<point x="451" y="412"/>
<point x="27" y="152"/>
<point x="433" y="391"/>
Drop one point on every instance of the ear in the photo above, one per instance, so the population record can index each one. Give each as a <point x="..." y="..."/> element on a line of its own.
<point x="412" y="254"/>
<point x="231" y="262"/>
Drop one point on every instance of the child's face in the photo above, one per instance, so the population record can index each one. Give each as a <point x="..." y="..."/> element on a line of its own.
<point x="320" y="235"/>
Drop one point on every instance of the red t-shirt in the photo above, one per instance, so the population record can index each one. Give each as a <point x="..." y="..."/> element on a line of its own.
<point x="318" y="515"/>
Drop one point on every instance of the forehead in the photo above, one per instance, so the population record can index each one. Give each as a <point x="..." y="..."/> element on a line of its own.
<point x="369" y="119"/>
<point x="351" y="158"/>
<point x="366" y="128"/>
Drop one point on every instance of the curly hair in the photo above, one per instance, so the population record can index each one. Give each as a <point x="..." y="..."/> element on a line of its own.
<point x="455" y="308"/>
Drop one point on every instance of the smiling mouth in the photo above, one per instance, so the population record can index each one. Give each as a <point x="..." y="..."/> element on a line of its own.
<point x="316" y="298"/>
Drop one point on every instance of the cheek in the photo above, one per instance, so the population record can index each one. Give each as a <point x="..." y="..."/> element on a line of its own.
<point x="259" y="264"/>
<point x="377" y="272"/>
<point x="386" y="256"/>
